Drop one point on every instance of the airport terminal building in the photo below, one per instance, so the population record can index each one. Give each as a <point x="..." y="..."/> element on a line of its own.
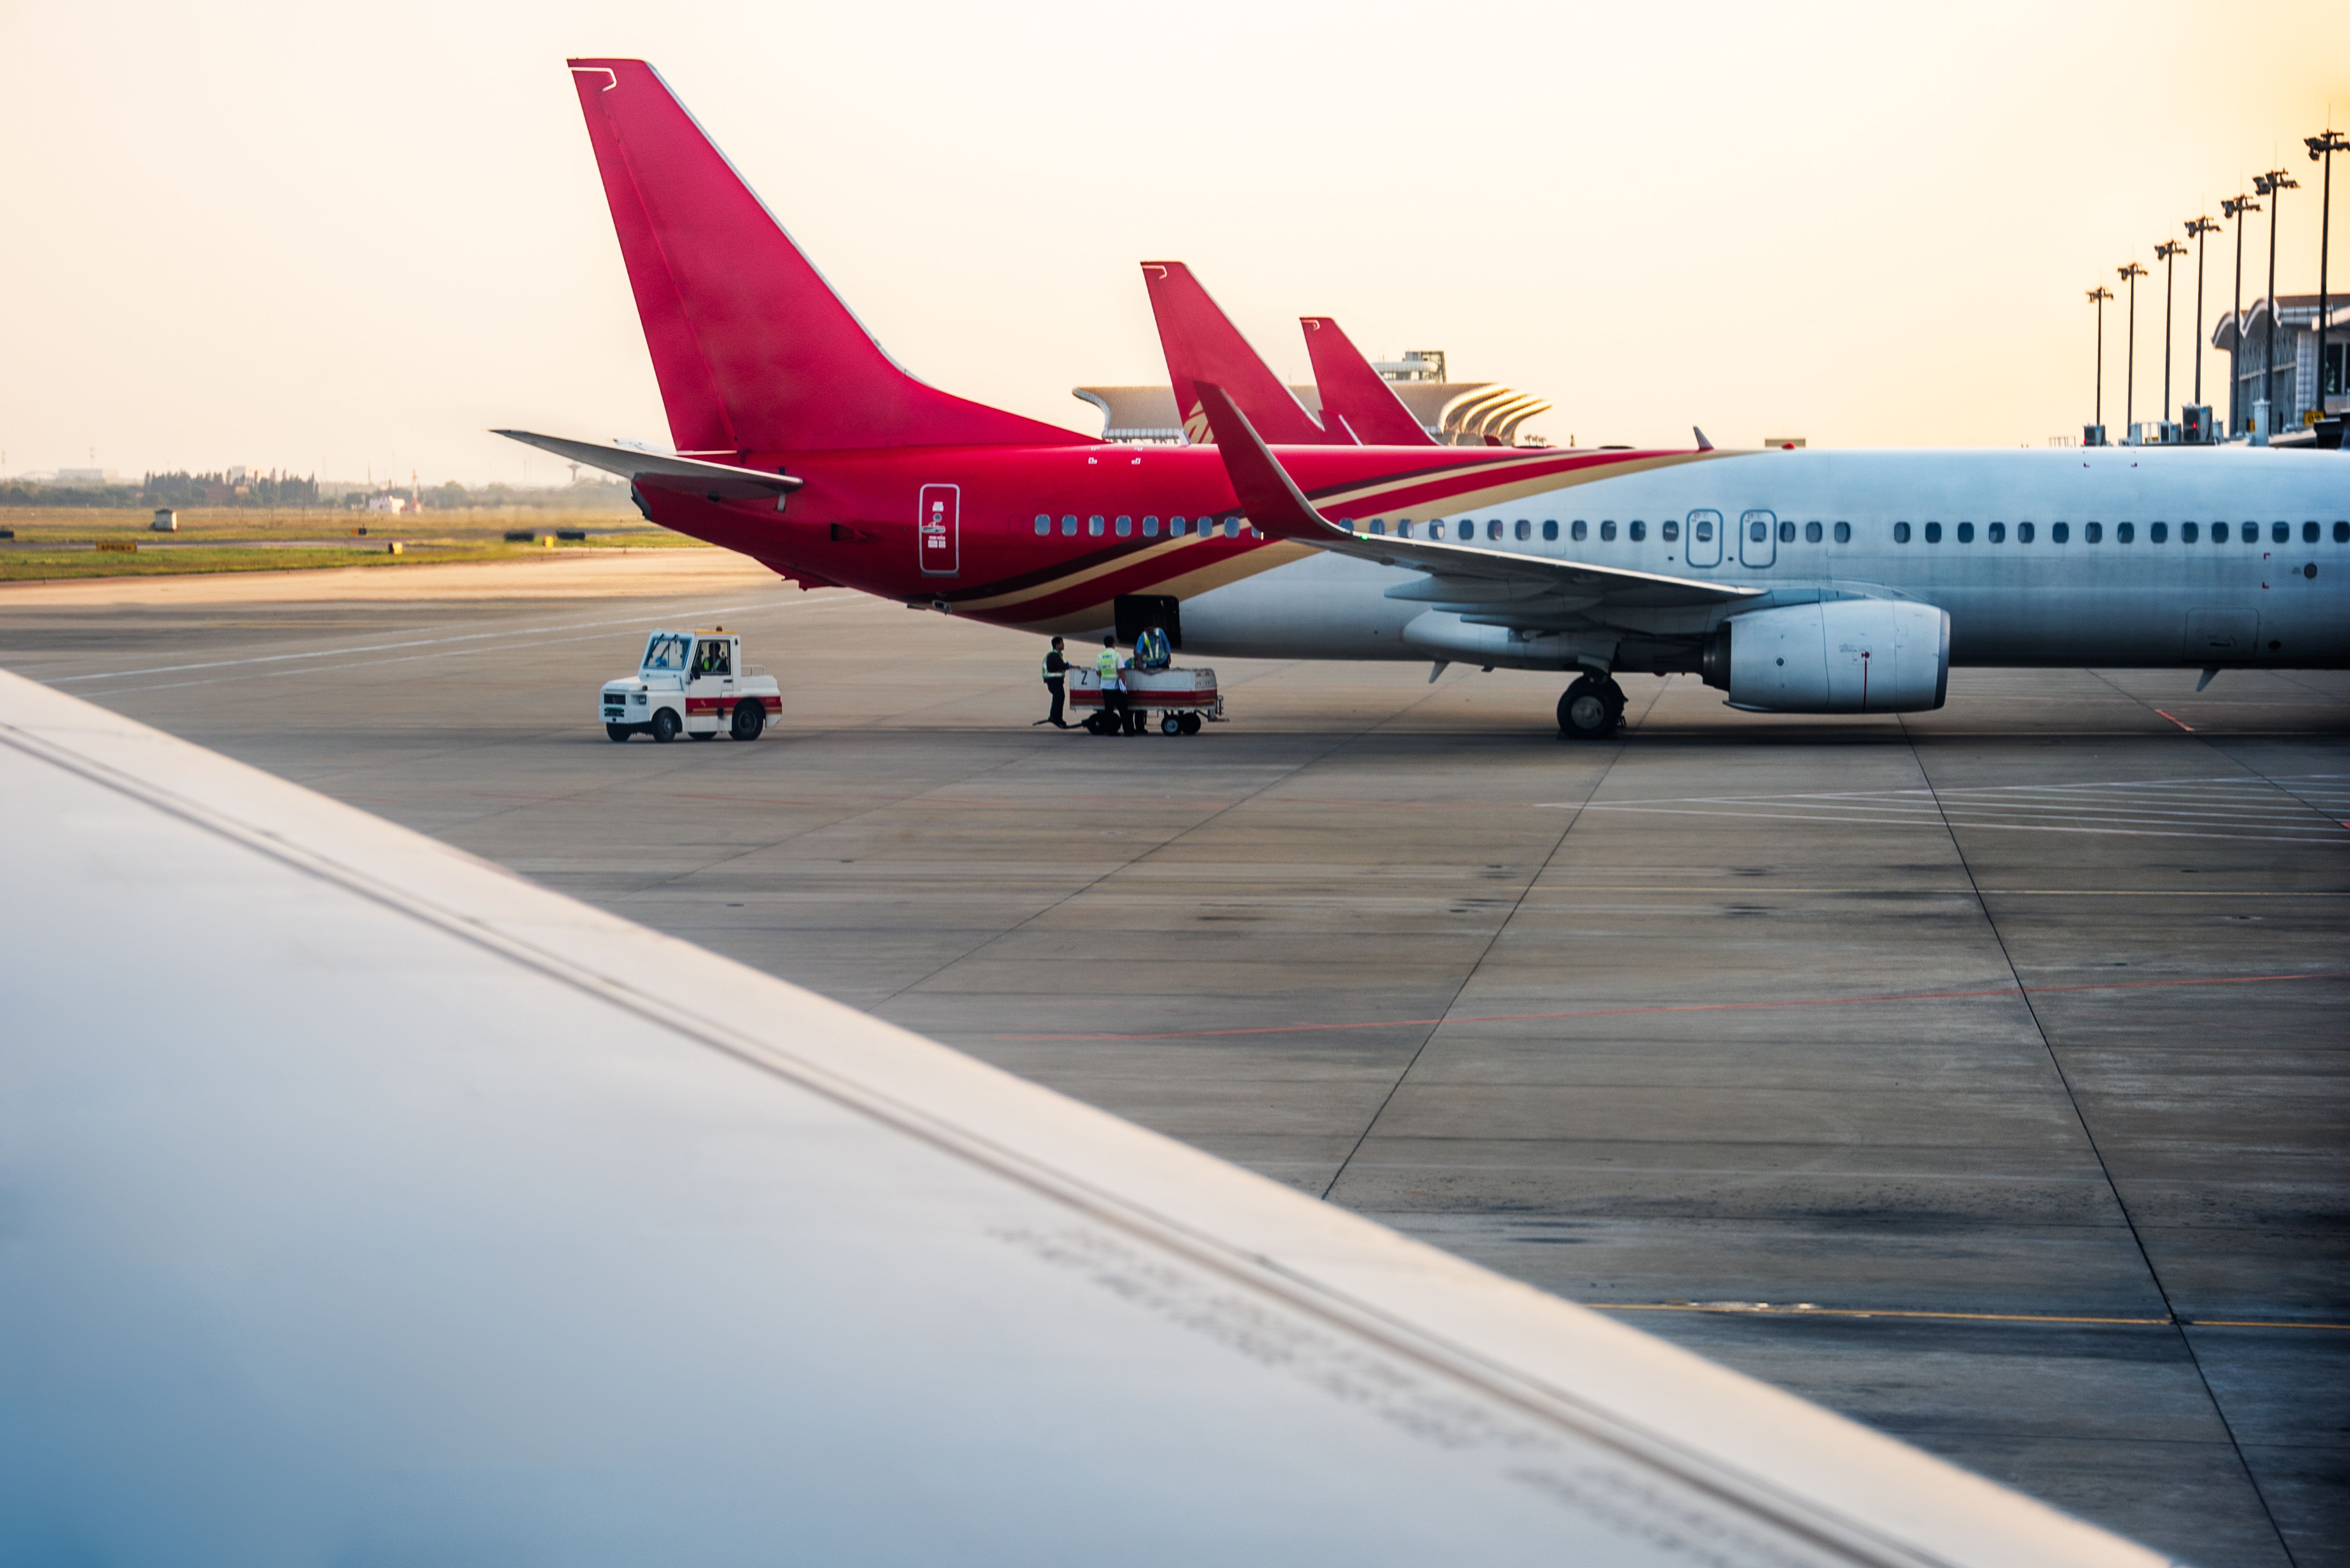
<point x="2291" y="385"/>
<point x="1456" y="413"/>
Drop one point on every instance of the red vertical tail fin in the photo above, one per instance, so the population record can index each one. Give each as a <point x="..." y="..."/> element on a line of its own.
<point x="752" y="350"/>
<point x="1202" y="344"/>
<point x="1353" y="392"/>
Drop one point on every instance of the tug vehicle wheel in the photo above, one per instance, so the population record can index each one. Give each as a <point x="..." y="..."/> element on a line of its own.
<point x="749" y="718"/>
<point x="1170" y="723"/>
<point x="665" y="726"/>
<point x="617" y="732"/>
<point x="1190" y="723"/>
<point x="1590" y="710"/>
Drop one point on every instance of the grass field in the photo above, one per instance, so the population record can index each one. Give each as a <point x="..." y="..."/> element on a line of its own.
<point x="63" y="542"/>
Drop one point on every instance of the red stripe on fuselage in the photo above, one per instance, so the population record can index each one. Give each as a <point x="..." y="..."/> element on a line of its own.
<point x="869" y="499"/>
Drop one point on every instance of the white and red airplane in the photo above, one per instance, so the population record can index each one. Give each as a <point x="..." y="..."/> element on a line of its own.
<point x="1799" y="581"/>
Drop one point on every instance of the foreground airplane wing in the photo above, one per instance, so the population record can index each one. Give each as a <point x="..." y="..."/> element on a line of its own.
<point x="1275" y="505"/>
<point x="366" y="1202"/>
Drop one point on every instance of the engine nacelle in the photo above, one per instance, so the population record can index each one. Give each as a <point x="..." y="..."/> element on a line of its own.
<point x="1845" y="656"/>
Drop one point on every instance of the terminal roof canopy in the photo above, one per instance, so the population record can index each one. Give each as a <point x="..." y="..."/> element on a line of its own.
<point x="1458" y="413"/>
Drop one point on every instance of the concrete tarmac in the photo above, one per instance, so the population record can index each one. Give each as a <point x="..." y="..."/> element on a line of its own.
<point x="1979" y="1074"/>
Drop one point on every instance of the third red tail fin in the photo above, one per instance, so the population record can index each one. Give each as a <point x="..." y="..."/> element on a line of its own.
<point x="1353" y="392"/>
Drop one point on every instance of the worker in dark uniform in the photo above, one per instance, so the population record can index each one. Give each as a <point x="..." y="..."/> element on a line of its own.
<point x="1056" y="670"/>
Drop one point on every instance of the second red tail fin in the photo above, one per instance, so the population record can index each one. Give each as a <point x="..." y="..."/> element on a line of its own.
<point x="752" y="350"/>
<point x="1353" y="392"/>
<point x="1202" y="344"/>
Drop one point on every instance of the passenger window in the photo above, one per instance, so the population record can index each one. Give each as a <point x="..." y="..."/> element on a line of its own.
<point x="1526" y="529"/>
<point x="1403" y="529"/>
<point x="1069" y="527"/>
<point x="2093" y="533"/>
<point x="1232" y="528"/>
<point x="1638" y="531"/>
<point x="1671" y="529"/>
<point x="1125" y="528"/>
<point x="1901" y="532"/>
<point x="1580" y="530"/>
<point x="1811" y="532"/>
<point x="1494" y="528"/>
<point x="1378" y="525"/>
<point x="1704" y="530"/>
<point x="1996" y="534"/>
<point x="2124" y="532"/>
<point x="1758" y="532"/>
<point x="1933" y="533"/>
<point x="1094" y="525"/>
<point x="1607" y="529"/>
<point x="2342" y="533"/>
<point x="2188" y="534"/>
<point x="2058" y="532"/>
<point x="1044" y="523"/>
<point x="2309" y="532"/>
<point x="1550" y="529"/>
<point x="2282" y="533"/>
<point x="2157" y="533"/>
<point x="1787" y="533"/>
<point x="1844" y="532"/>
<point x="1151" y="527"/>
<point x="1966" y="533"/>
<point x="2024" y="533"/>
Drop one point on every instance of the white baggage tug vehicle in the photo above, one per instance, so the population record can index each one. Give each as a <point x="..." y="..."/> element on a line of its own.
<point x="693" y="683"/>
<point x="1183" y="698"/>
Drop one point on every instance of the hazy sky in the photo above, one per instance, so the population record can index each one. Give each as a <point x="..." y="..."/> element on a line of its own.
<point x="339" y="238"/>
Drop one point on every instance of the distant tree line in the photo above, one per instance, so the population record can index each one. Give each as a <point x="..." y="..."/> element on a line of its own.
<point x="291" y="491"/>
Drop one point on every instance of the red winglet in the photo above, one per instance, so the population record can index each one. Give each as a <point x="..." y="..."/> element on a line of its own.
<point x="1264" y="488"/>
<point x="1354" y="397"/>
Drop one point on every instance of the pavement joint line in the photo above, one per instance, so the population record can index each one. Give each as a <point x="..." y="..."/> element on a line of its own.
<point x="385" y="646"/>
<point x="1890" y="998"/>
<point x="2330" y="834"/>
<point x="1805" y="1309"/>
<point x="2089" y="1136"/>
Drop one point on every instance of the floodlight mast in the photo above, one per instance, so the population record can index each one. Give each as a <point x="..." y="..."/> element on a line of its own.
<point x="2236" y="207"/>
<point x="2130" y="274"/>
<point x="2168" y="251"/>
<point x="2097" y="297"/>
<point x="2196" y="229"/>
<point x="2272" y="185"/>
<point x="2322" y="149"/>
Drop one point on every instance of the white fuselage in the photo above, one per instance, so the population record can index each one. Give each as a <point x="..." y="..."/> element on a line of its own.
<point x="2136" y="556"/>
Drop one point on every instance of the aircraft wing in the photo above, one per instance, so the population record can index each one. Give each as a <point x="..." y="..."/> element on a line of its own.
<point x="636" y="466"/>
<point x="1275" y="505"/>
<point x="366" y="1201"/>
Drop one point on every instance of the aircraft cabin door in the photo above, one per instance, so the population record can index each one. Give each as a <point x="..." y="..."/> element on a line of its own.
<point x="1704" y="539"/>
<point x="937" y="530"/>
<point x="1758" y="538"/>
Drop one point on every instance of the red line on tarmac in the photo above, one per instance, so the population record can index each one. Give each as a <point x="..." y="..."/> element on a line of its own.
<point x="1697" y="1007"/>
<point x="2180" y="722"/>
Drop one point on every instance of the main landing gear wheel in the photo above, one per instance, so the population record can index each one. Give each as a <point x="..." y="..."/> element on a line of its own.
<point x="1170" y="723"/>
<point x="617" y="732"/>
<point x="665" y="726"/>
<point x="749" y="718"/>
<point x="1591" y="710"/>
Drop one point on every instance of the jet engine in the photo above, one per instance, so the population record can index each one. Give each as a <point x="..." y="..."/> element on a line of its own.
<point x="1843" y="656"/>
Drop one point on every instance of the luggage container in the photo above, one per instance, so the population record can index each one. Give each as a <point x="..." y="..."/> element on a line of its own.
<point x="1177" y="701"/>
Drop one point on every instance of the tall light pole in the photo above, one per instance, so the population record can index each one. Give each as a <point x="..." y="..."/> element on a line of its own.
<point x="2130" y="274"/>
<point x="2322" y="149"/>
<point x="2196" y="229"/>
<point x="2236" y="207"/>
<point x="2097" y="297"/>
<point x="2167" y="252"/>
<point x="2272" y="185"/>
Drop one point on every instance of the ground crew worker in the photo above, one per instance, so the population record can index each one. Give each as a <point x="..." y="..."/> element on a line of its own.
<point x="1056" y="669"/>
<point x="1113" y="688"/>
<point x="1152" y="650"/>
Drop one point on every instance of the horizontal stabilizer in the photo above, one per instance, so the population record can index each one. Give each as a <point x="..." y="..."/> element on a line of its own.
<point x="632" y="464"/>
